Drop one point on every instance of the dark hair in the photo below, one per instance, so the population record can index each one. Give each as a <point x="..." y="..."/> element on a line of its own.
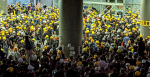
<point x="8" y="61"/>
<point x="115" y="70"/>
<point x="4" y="61"/>
<point x="102" y="58"/>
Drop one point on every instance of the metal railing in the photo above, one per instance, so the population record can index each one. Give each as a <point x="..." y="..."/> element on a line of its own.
<point x="109" y="10"/>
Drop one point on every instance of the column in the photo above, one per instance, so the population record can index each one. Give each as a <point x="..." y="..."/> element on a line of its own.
<point x="70" y="28"/>
<point x="3" y="6"/>
<point x="145" y="18"/>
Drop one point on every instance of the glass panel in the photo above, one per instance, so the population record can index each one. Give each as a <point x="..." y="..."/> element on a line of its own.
<point x="112" y="1"/>
<point x="128" y="1"/>
<point x="103" y="7"/>
<point x="128" y="8"/>
<point x="97" y="6"/>
<point x="119" y="10"/>
<point x="55" y="1"/>
<point x="89" y="0"/>
<point x="136" y="1"/>
<point x="97" y="0"/>
<point x="87" y="4"/>
<point x="135" y="8"/>
<point x="56" y="5"/>
<point x="103" y="0"/>
<point x="119" y="1"/>
<point x="113" y="10"/>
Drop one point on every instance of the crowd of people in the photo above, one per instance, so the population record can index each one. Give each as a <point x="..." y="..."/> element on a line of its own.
<point x="112" y="45"/>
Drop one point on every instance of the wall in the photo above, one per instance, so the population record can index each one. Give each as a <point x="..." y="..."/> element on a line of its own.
<point x="3" y="6"/>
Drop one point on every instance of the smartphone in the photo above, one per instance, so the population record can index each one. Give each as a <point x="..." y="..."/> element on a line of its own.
<point x="54" y="72"/>
<point x="0" y="57"/>
<point x="32" y="70"/>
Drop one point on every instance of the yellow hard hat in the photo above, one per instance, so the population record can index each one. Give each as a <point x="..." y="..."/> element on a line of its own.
<point x="17" y="27"/>
<point x="45" y="47"/>
<point x="93" y="32"/>
<point x="47" y="36"/>
<point x="95" y="56"/>
<point x="137" y="73"/>
<point x="79" y="63"/>
<point x="25" y="28"/>
<point x="4" y="38"/>
<point x="90" y="38"/>
<point x="58" y="52"/>
<point x="140" y="35"/>
<point x="131" y="67"/>
<point x="138" y="63"/>
<point x="18" y="34"/>
<point x="129" y="41"/>
<point x="26" y="21"/>
<point x="3" y="34"/>
<point x="10" y="69"/>
<point x="22" y="41"/>
<point x="96" y="63"/>
<point x="85" y="49"/>
<point x="97" y="42"/>
<point x="110" y="49"/>
<point x="2" y="49"/>
<point x="33" y="39"/>
<point x="119" y="51"/>
<point x="126" y="34"/>
<point x="51" y="37"/>
<point x="86" y="42"/>
<point x="92" y="41"/>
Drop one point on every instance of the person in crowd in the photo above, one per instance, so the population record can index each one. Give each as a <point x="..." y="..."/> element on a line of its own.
<point x="111" y="45"/>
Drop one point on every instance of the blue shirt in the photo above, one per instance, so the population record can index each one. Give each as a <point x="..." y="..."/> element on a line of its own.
<point x="126" y="39"/>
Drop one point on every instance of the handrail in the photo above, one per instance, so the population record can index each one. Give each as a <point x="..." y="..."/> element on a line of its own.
<point x="109" y="10"/>
<point x="104" y="9"/>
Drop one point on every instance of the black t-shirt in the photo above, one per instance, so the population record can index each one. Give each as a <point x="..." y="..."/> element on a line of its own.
<point x="103" y="75"/>
<point x="71" y="73"/>
<point x="21" y="74"/>
<point x="114" y="75"/>
<point x="141" y="47"/>
<point x="3" y="68"/>
<point x="135" y="48"/>
<point x="147" y="48"/>
<point x="98" y="75"/>
<point x="9" y="75"/>
<point x="44" y="76"/>
<point x="85" y="63"/>
<point x="59" y="74"/>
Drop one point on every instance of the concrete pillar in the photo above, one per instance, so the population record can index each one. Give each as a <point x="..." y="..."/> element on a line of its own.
<point x="145" y="18"/>
<point x="70" y="28"/>
<point x="3" y="6"/>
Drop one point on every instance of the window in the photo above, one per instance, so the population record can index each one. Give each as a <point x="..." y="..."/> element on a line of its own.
<point x="119" y="1"/>
<point x="112" y="1"/>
